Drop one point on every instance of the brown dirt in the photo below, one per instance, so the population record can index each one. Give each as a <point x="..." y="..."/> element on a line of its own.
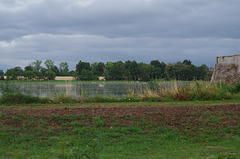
<point x="176" y="117"/>
<point x="184" y="118"/>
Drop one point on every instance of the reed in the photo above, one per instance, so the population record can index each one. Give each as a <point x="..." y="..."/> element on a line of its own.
<point x="156" y="92"/>
<point x="193" y="91"/>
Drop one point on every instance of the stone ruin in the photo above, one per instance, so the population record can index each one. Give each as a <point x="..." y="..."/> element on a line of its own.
<point x="227" y="69"/>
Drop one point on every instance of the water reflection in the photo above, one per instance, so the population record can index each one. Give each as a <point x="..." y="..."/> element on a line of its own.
<point x="76" y="89"/>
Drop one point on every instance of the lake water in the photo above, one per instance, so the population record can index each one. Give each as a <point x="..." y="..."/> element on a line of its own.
<point x="90" y="89"/>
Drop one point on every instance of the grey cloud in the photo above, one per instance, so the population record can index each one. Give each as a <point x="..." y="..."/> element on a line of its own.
<point x="111" y="30"/>
<point x="135" y="18"/>
<point x="101" y="49"/>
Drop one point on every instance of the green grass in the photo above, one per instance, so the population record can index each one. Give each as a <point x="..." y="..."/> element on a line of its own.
<point x="106" y="137"/>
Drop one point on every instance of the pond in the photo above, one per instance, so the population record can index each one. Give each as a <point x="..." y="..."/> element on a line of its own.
<point x="90" y="89"/>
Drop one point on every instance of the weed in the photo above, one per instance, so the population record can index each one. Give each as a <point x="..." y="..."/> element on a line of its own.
<point x="98" y="122"/>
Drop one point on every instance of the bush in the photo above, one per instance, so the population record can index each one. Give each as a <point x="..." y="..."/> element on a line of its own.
<point x="20" y="98"/>
<point x="9" y="88"/>
<point x="63" y="98"/>
<point x="237" y="87"/>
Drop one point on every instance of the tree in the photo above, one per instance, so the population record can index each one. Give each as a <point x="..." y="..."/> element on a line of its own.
<point x="116" y="71"/>
<point x="50" y="75"/>
<point x="86" y="75"/>
<point x="55" y="70"/>
<point x="28" y="68"/>
<point x="187" y="62"/>
<point x="203" y="72"/>
<point x="81" y="66"/>
<point x="146" y="72"/>
<point x="49" y="64"/>
<point x="132" y="71"/>
<point x="29" y="75"/>
<point x="98" y="68"/>
<point x="14" y="73"/>
<point x="63" y="68"/>
<point x="1" y="75"/>
<point x="158" y="69"/>
<point x="36" y="65"/>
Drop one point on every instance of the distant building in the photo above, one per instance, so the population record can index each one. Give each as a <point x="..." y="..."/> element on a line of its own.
<point x="64" y="78"/>
<point x="101" y="78"/>
<point x="227" y="69"/>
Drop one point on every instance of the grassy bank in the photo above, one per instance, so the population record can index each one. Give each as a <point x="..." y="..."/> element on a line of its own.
<point x="155" y="92"/>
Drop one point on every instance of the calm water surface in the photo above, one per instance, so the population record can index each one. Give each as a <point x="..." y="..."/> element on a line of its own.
<point x="90" y="89"/>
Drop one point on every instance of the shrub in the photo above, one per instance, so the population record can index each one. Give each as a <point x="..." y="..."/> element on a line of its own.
<point x="63" y="98"/>
<point x="20" y="98"/>
<point x="9" y="87"/>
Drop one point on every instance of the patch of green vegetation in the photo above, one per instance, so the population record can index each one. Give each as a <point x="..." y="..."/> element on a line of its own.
<point x="194" y="92"/>
<point x="106" y="137"/>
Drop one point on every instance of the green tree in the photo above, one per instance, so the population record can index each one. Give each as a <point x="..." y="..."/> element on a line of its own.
<point x="29" y="75"/>
<point x="50" y="75"/>
<point x="82" y="66"/>
<point x="28" y="68"/>
<point x="14" y="73"/>
<point x="116" y="71"/>
<point x="55" y="70"/>
<point x="49" y="64"/>
<point x="158" y="69"/>
<point x="36" y="65"/>
<point x="86" y="75"/>
<point x="203" y="72"/>
<point x="187" y="62"/>
<point x="1" y="75"/>
<point x="98" y="68"/>
<point x="132" y="70"/>
<point x="63" y="68"/>
<point x="146" y="72"/>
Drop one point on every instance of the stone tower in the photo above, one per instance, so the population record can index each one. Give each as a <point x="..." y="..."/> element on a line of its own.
<point x="227" y="69"/>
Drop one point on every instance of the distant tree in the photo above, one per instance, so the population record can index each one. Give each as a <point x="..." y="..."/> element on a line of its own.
<point x="187" y="62"/>
<point x="116" y="71"/>
<point x="1" y="75"/>
<point x="158" y="69"/>
<point x="63" y="68"/>
<point x="98" y="68"/>
<point x="73" y="73"/>
<point x="29" y="72"/>
<point x="13" y="73"/>
<point x="36" y="65"/>
<point x="203" y="72"/>
<point x="28" y="68"/>
<point x="132" y="70"/>
<point x="155" y="63"/>
<point x="43" y="74"/>
<point x="82" y="66"/>
<point x="86" y="75"/>
<point x="107" y="71"/>
<point x="50" y="75"/>
<point x="55" y="70"/>
<point x="49" y="64"/>
<point x="29" y="75"/>
<point x="146" y="71"/>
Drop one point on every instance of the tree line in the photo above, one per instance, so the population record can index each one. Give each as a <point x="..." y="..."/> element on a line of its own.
<point x="128" y="70"/>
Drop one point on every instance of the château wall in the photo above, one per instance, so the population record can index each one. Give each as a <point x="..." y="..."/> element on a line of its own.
<point x="227" y="69"/>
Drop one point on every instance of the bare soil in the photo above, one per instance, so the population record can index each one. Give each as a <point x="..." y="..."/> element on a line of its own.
<point x="176" y="117"/>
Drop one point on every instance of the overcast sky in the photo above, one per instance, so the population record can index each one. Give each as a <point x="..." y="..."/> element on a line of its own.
<point x="113" y="30"/>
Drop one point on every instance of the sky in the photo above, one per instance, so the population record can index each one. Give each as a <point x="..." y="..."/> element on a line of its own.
<point x="114" y="30"/>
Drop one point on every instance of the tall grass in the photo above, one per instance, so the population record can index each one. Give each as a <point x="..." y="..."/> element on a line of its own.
<point x="188" y="92"/>
<point x="155" y="92"/>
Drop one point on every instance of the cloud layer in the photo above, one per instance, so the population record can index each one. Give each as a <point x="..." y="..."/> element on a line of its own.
<point x="111" y="30"/>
